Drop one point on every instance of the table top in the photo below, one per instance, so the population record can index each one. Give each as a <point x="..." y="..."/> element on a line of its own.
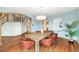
<point x="38" y="36"/>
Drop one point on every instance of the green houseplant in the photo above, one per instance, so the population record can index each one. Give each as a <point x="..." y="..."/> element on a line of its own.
<point x="72" y="29"/>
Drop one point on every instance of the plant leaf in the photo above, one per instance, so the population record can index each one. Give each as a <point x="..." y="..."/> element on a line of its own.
<point x="74" y="33"/>
<point x="68" y="26"/>
<point x="75" y="23"/>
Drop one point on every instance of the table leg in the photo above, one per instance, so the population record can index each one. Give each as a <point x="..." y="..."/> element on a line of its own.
<point x="37" y="46"/>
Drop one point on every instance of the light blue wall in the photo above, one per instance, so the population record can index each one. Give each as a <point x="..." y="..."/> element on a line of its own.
<point x="36" y="24"/>
<point x="67" y="17"/>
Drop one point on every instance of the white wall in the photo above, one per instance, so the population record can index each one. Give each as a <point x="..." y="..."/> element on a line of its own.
<point x="12" y="28"/>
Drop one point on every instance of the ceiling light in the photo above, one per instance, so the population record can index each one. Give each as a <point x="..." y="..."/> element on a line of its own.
<point x="41" y="17"/>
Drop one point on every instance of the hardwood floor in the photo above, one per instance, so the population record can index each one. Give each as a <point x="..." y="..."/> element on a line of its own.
<point x="61" y="45"/>
<point x="74" y="47"/>
<point x="17" y="48"/>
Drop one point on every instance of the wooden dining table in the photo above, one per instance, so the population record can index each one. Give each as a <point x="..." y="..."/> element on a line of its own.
<point x="37" y="37"/>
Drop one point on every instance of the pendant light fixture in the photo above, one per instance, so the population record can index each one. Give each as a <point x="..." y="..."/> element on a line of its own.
<point x="41" y="17"/>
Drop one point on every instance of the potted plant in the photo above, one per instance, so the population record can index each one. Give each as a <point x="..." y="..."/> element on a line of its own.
<point x="72" y="29"/>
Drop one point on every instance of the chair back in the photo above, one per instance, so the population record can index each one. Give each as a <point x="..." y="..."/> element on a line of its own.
<point x="27" y="44"/>
<point x="54" y="36"/>
<point x="46" y="42"/>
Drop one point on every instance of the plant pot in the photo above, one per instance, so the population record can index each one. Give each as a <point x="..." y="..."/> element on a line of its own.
<point x="71" y="40"/>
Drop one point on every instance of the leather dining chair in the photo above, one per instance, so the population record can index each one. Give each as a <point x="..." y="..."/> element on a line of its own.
<point x="46" y="42"/>
<point x="27" y="43"/>
<point x="54" y="37"/>
<point x="49" y="41"/>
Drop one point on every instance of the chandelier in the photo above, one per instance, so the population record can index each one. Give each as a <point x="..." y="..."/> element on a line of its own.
<point x="41" y="17"/>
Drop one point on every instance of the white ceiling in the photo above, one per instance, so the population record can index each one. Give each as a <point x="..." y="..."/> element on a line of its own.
<point x="34" y="11"/>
